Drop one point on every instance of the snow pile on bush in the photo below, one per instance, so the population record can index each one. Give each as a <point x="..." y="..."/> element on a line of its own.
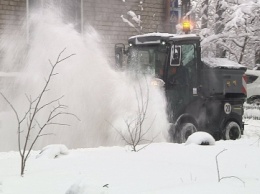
<point x="251" y="111"/>
<point x="200" y="138"/>
<point x="53" y="151"/>
<point x="87" y="188"/>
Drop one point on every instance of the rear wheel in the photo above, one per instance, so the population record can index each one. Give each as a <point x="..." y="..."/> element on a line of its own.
<point x="184" y="131"/>
<point x="232" y="131"/>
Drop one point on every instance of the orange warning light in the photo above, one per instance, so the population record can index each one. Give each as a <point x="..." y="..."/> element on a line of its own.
<point x="186" y="26"/>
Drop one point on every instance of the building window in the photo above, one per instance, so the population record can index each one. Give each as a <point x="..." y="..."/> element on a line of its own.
<point x="69" y="10"/>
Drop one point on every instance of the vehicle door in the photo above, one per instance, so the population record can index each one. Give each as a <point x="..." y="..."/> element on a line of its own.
<point x="181" y="78"/>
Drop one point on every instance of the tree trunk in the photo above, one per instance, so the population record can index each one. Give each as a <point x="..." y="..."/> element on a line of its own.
<point x="22" y="165"/>
<point x="243" y="50"/>
<point x="185" y="8"/>
<point x="219" y="27"/>
<point x="257" y="57"/>
<point x="204" y="20"/>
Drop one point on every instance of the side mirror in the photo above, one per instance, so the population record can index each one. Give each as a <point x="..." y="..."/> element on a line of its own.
<point x="175" y="56"/>
<point x="119" y="54"/>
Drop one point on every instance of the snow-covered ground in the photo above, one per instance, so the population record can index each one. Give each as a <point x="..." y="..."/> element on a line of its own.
<point x="160" y="168"/>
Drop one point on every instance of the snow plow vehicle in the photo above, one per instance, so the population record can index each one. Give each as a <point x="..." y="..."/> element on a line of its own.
<point x="202" y="94"/>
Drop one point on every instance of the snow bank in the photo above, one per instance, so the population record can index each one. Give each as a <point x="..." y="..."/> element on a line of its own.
<point x="53" y="151"/>
<point x="200" y="138"/>
<point x="160" y="168"/>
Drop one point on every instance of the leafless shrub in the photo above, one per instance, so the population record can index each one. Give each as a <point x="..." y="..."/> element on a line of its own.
<point x="135" y="129"/>
<point x="29" y="119"/>
<point x="225" y="177"/>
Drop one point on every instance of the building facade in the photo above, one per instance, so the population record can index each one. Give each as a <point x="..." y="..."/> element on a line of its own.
<point x="108" y="17"/>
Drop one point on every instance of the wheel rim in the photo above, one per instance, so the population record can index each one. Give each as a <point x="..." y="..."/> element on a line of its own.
<point x="188" y="129"/>
<point x="189" y="132"/>
<point x="234" y="133"/>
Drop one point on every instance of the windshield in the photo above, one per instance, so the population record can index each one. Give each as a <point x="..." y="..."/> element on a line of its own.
<point x="147" y="59"/>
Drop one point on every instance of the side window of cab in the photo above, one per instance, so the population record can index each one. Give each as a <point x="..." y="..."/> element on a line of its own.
<point x="175" y="59"/>
<point x="189" y="61"/>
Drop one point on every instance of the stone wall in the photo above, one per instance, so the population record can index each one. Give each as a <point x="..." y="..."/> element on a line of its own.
<point x="12" y="14"/>
<point x="105" y="17"/>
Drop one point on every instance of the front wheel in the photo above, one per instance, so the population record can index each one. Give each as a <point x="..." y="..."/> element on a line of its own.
<point x="232" y="131"/>
<point x="185" y="130"/>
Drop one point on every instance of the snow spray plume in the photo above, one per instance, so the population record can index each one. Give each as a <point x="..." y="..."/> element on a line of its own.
<point x="92" y="90"/>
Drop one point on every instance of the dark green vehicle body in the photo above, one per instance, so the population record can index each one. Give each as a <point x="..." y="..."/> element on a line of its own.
<point x="200" y="95"/>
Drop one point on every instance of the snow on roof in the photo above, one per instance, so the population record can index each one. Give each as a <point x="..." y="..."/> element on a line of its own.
<point x="222" y="62"/>
<point x="164" y="35"/>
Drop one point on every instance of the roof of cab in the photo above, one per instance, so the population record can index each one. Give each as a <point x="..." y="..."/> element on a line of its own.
<point x="156" y="37"/>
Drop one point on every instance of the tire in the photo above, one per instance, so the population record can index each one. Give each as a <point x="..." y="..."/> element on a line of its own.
<point x="172" y="132"/>
<point x="184" y="131"/>
<point x="232" y="131"/>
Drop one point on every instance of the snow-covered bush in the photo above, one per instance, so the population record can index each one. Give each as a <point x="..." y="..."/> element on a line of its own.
<point x="231" y="28"/>
<point x="200" y="138"/>
<point x="28" y="123"/>
<point x="84" y="187"/>
<point x="138" y="128"/>
<point x="251" y="111"/>
<point x="53" y="151"/>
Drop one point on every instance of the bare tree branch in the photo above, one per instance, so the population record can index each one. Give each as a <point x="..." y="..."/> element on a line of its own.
<point x="217" y="163"/>
<point x="135" y="132"/>
<point x="49" y="103"/>
<point x="18" y="121"/>
<point x="225" y="177"/>
<point x="33" y="110"/>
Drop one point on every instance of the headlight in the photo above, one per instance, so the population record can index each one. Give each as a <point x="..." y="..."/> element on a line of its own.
<point x="157" y="82"/>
